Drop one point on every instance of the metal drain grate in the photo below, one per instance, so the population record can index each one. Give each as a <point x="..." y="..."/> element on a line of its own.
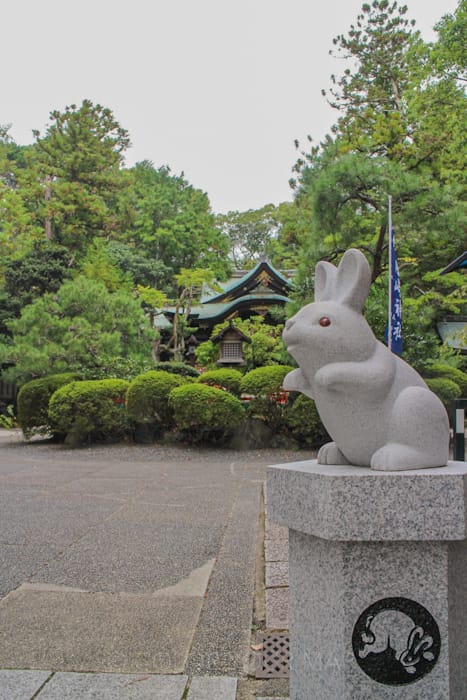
<point x="272" y="661"/>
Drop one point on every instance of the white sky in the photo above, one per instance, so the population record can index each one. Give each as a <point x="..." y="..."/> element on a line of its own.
<point x="218" y="89"/>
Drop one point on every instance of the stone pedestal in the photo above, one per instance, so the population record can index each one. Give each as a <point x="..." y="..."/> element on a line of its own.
<point x="378" y="580"/>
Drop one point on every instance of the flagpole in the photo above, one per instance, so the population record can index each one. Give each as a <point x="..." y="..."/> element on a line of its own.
<point x="390" y="272"/>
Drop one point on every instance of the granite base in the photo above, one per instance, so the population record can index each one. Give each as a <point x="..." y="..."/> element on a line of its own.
<point x="376" y="612"/>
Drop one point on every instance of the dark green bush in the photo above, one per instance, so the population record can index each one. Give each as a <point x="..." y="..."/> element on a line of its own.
<point x="148" y="402"/>
<point x="33" y="402"/>
<point x="205" y="414"/>
<point x="92" y="410"/>
<point x="264" y="381"/>
<point x="176" y="368"/>
<point x="438" y="370"/>
<point x="446" y="389"/>
<point x="117" y="368"/>
<point x="264" y="386"/>
<point x="302" y="419"/>
<point x="228" y="379"/>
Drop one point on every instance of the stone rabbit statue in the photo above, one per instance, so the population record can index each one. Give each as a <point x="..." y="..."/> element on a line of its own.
<point x="377" y="409"/>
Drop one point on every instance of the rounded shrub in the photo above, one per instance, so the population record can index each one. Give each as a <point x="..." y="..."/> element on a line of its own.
<point x="92" y="410"/>
<point x="264" y="381"/>
<point x="439" y="370"/>
<point x="33" y="402"/>
<point x="228" y="379"/>
<point x="176" y="368"/>
<point x="148" y="402"/>
<point x="205" y="414"/>
<point x="445" y="389"/>
<point x="263" y="387"/>
<point x="303" y="422"/>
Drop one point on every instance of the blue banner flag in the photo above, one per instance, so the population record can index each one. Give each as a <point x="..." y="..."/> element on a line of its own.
<point x="394" y="328"/>
<point x="395" y="302"/>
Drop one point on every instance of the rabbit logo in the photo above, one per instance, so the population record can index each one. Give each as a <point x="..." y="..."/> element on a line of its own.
<point x="396" y="641"/>
<point x="377" y="409"/>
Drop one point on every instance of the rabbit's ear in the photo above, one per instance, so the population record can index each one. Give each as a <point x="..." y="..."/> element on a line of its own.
<point x="325" y="275"/>
<point x="353" y="279"/>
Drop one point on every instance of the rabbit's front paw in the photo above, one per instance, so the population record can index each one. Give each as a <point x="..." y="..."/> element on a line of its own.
<point x="331" y="454"/>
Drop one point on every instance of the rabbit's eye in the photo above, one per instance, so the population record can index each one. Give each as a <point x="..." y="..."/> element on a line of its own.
<point x="324" y="321"/>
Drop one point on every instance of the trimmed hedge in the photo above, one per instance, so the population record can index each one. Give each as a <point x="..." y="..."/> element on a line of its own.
<point x="440" y="371"/>
<point x="148" y="401"/>
<point x="445" y="389"/>
<point x="264" y="385"/>
<point x="302" y="419"/>
<point x="90" y="410"/>
<point x="203" y="413"/>
<point x="176" y="368"/>
<point x="33" y="402"/>
<point x="264" y="381"/>
<point x="228" y="379"/>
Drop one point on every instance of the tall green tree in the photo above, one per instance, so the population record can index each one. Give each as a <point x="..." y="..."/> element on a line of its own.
<point x="76" y="165"/>
<point x="171" y="221"/>
<point x="79" y="326"/>
<point x="400" y="131"/>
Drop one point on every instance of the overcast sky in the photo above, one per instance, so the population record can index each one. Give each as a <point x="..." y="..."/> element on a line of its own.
<point x="218" y="89"/>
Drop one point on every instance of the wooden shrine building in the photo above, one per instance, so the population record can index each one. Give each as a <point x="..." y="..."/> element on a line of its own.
<point x="247" y="293"/>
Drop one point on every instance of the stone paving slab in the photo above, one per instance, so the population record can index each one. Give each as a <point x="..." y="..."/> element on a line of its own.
<point x="18" y="562"/>
<point x="276" y="550"/>
<point x="133" y="554"/>
<point x="21" y="685"/>
<point x="119" y="488"/>
<point x="109" y="686"/>
<point x="46" y="519"/>
<point x="71" y="631"/>
<point x="222" y="637"/>
<point x="275" y="531"/>
<point x="212" y="688"/>
<point x="277" y="608"/>
<point x="277" y="574"/>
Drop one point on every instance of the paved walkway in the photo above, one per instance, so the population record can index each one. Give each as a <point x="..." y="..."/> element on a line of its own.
<point x="129" y="570"/>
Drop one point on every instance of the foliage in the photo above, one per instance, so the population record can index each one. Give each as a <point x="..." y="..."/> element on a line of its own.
<point x="171" y="221"/>
<point x="450" y="54"/>
<point x="268" y="400"/>
<point x="204" y="413"/>
<point x="228" y="379"/>
<point x="189" y="284"/>
<point x="270" y="232"/>
<point x="445" y="389"/>
<point x="400" y="131"/>
<point x="176" y="368"/>
<point x="78" y="162"/>
<point x="89" y="411"/>
<point x="148" y="399"/>
<point x="40" y="270"/>
<point x="117" y="368"/>
<point x="266" y="347"/>
<point x="79" y="326"/>
<point x="99" y="266"/>
<point x="144" y="270"/>
<point x="456" y="375"/>
<point x="264" y="381"/>
<point x="302" y="420"/>
<point x="8" y="418"/>
<point x="33" y="402"/>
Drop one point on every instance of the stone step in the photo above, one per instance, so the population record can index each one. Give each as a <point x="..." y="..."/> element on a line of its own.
<point x="45" y="685"/>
